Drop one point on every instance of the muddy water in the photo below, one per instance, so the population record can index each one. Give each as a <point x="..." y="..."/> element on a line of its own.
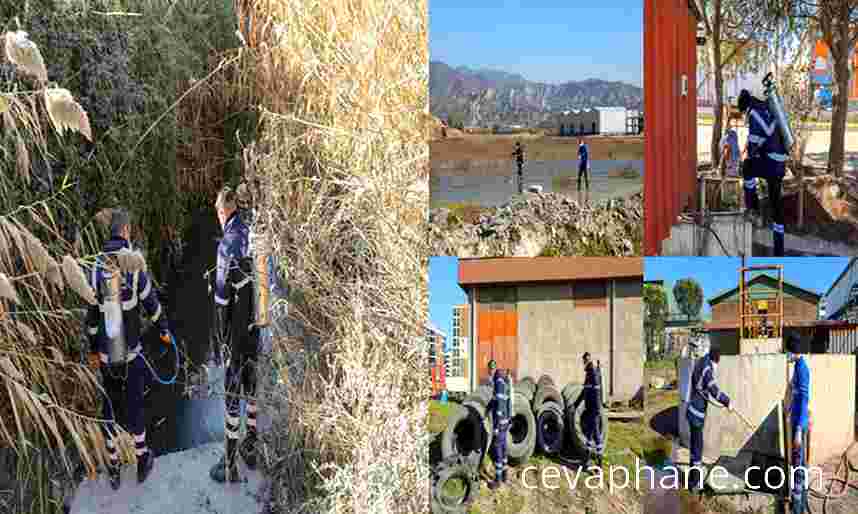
<point x="491" y="187"/>
<point x="174" y="422"/>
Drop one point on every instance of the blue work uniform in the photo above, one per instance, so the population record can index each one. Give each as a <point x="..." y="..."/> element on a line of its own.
<point x="235" y="302"/>
<point x="519" y="160"/>
<point x="799" y="419"/>
<point x="703" y="387"/>
<point x="501" y="409"/>
<point x="583" y="165"/>
<point x="767" y="154"/>
<point x="123" y="382"/>
<point x="591" y="418"/>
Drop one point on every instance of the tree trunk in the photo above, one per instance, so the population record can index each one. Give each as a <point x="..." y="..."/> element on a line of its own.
<point x="840" y="106"/>
<point x="718" y="76"/>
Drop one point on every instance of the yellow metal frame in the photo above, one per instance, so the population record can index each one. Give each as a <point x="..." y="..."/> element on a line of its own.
<point x="750" y="318"/>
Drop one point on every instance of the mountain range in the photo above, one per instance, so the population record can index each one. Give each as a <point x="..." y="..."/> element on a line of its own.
<point x="483" y="97"/>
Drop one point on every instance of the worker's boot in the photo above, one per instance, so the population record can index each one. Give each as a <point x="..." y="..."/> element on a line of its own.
<point x="248" y="450"/>
<point x="494" y="484"/>
<point x="114" y="472"/>
<point x="145" y="463"/>
<point x="227" y="468"/>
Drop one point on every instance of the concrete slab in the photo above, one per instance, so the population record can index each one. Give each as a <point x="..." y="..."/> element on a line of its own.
<point x="761" y="345"/>
<point x="733" y="231"/>
<point x="179" y="482"/>
<point x="832" y="405"/>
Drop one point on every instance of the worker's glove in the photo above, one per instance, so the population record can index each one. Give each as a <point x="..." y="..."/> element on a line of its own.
<point x="725" y="401"/>
<point x="94" y="361"/>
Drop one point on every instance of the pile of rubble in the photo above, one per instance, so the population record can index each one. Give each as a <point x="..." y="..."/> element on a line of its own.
<point x="536" y="224"/>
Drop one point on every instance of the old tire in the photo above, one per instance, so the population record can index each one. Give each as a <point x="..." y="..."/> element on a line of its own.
<point x="549" y="428"/>
<point x="574" y="431"/>
<point x="458" y="468"/>
<point x="527" y="388"/>
<point x="545" y="380"/>
<point x="547" y="394"/>
<point x="468" y="430"/>
<point x="570" y="392"/>
<point x="482" y="396"/>
<point x="521" y="440"/>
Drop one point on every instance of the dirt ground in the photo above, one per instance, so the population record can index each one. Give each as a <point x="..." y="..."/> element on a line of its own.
<point x="537" y="148"/>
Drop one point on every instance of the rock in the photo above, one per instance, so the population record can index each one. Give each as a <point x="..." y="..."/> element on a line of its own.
<point x="530" y="224"/>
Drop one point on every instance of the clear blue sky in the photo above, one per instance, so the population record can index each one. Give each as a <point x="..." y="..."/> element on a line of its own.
<point x="717" y="274"/>
<point x="444" y="292"/>
<point x="544" y="41"/>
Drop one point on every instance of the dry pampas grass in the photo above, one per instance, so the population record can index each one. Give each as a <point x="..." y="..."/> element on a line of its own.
<point x="65" y="113"/>
<point x="7" y="290"/>
<point x="130" y="261"/>
<point x="343" y="141"/>
<point x="24" y="54"/>
<point x="103" y="216"/>
<point x="77" y="280"/>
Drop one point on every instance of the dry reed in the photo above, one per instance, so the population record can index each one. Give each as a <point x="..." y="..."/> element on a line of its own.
<point x="342" y="163"/>
<point x="46" y="399"/>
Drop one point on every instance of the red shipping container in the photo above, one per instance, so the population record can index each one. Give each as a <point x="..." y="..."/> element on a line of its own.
<point x="670" y="116"/>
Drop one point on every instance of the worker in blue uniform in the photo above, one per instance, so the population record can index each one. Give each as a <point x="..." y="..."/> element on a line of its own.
<point x="799" y="421"/>
<point x="235" y="317"/>
<point x="766" y="158"/>
<point x="123" y="376"/>
<point x="583" y="164"/>
<point x="518" y="153"/>
<point x="501" y="409"/>
<point x="591" y="418"/>
<point x="703" y="388"/>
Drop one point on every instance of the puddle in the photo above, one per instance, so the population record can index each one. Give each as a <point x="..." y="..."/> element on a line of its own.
<point x="496" y="187"/>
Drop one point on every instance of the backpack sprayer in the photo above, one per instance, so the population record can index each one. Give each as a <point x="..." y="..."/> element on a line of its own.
<point x="110" y="288"/>
<point x="776" y="107"/>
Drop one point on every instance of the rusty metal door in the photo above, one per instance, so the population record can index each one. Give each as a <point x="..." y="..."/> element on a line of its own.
<point x="497" y="322"/>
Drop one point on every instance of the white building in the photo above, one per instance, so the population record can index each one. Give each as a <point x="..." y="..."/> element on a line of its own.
<point x="842" y="296"/>
<point x="598" y="120"/>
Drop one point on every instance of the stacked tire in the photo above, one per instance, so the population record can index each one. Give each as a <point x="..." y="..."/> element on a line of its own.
<point x="572" y="419"/>
<point x="469" y="428"/>
<point x="521" y="438"/>
<point x="456" y="468"/>
<point x="548" y="410"/>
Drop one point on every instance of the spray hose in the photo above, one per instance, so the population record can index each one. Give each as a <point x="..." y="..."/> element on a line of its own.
<point x="161" y="381"/>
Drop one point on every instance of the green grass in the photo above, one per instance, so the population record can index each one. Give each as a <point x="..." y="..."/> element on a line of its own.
<point x="438" y="414"/>
<point x="660" y="364"/>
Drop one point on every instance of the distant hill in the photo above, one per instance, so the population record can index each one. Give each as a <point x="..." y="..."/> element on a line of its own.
<point x="491" y="96"/>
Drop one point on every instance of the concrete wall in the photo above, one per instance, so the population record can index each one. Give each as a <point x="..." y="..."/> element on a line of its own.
<point x="629" y="351"/>
<point x="554" y="333"/>
<point x="756" y="385"/>
<point x="689" y="239"/>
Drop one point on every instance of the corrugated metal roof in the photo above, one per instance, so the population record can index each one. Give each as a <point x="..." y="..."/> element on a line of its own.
<point x="516" y="270"/>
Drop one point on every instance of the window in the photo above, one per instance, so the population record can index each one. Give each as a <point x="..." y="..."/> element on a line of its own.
<point x="590" y="294"/>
